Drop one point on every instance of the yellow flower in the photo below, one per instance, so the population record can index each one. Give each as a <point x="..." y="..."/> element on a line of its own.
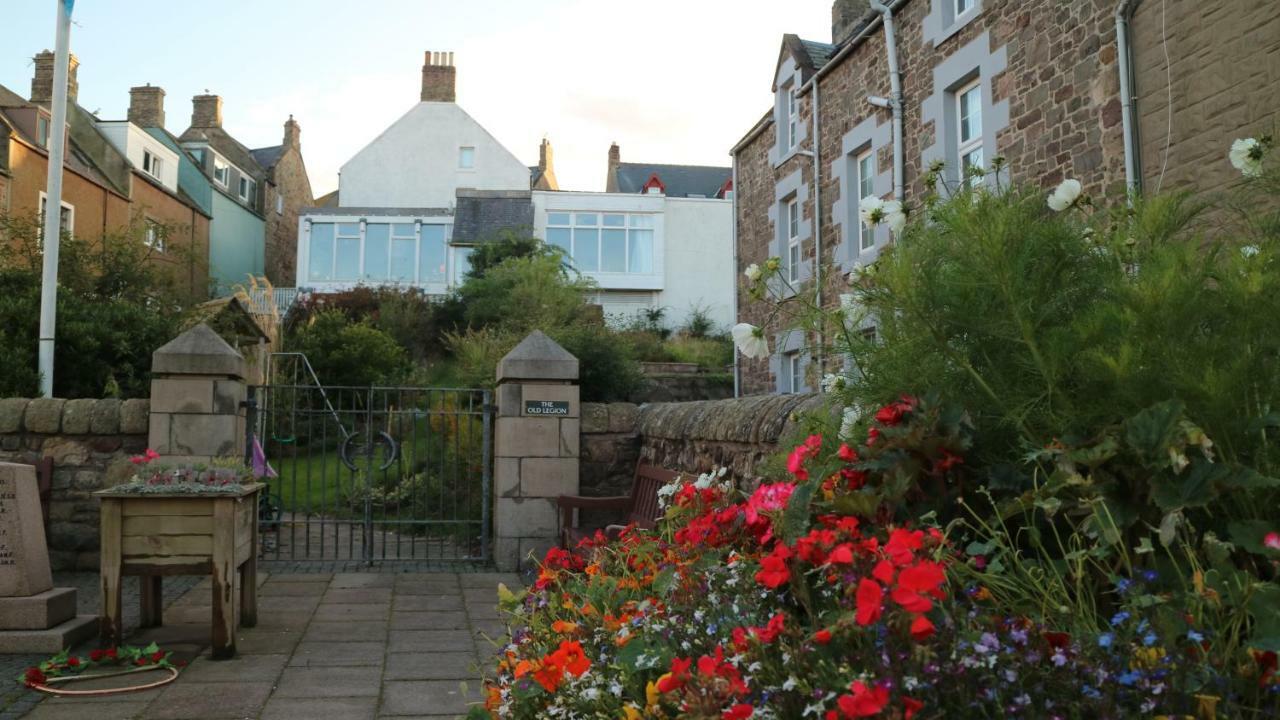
<point x="1147" y="658"/>
<point x="631" y="712"/>
<point x="651" y="693"/>
<point x="1207" y="706"/>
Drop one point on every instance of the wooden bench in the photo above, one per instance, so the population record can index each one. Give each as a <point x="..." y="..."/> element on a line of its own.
<point x="641" y="506"/>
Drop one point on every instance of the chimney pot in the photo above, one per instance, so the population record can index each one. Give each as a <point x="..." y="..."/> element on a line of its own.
<point x="146" y="106"/>
<point x="292" y="133"/>
<point x="439" y="78"/>
<point x="206" y="111"/>
<point x="615" y="159"/>
<point x="42" y="79"/>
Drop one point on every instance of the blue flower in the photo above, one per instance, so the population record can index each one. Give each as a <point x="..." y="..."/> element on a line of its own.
<point x="1119" y="617"/>
<point x="1129" y="678"/>
<point x="1123" y="584"/>
<point x="1194" y="636"/>
<point x="1104" y="640"/>
<point x="1150" y="575"/>
<point x="1149" y="639"/>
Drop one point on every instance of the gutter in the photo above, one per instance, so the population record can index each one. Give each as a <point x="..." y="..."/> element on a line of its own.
<point x="1132" y="161"/>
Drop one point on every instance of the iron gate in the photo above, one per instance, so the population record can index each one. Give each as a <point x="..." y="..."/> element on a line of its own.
<point x="372" y="474"/>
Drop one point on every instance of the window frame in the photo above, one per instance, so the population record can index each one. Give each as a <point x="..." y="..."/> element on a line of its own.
<point x="279" y="204"/>
<point x="43" y="128"/>
<point x="958" y="12"/>
<point x="247" y="189"/>
<point x="151" y="163"/>
<point x="631" y="227"/>
<point x="462" y="152"/>
<point x="70" y="225"/>
<point x="866" y="234"/>
<point x="793" y="122"/>
<point x="795" y="371"/>
<point x="418" y="223"/>
<point x="966" y="148"/>
<point x="791" y="216"/>
<point x="153" y="235"/>
<point x="221" y="172"/>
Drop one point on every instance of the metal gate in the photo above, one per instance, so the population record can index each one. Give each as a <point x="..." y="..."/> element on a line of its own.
<point x="372" y="474"/>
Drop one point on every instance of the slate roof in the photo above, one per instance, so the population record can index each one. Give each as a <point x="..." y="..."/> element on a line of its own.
<point x="267" y="157"/>
<point x="679" y="180"/>
<point x="226" y="146"/>
<point x="819" y="52"/>
<point x="481" y="214"/>
<point x="76" y="158"/>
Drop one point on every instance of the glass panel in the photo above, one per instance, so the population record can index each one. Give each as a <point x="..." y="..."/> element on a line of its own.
<point x="557" y="218"/>
<point x="642" y="221"/>
<point x="461" y="263"/>
<point x="613" y="251"/>
<point x="466" y="157"/>
<point x="972" y="159"/>
<point x="402" y="257"/>
<point x="865" y="176"/>
<point x="641" y="260"/>
<point x="431" y="263"/>
<point x="321" y="263"/>
<point x="349" y="229"/>
<point x="402" y="229"/>
<point x="560" y="238"/>
<point x="793" y="220"/>
<point x="615" y="220"/>
<point x="971" y="113"/>
<point x="585" y="219"/>
<point x="376" y="246"/>
<point x="586" y="250"/>
<point x="346" y="265"/>
<point x="793" y="262"/>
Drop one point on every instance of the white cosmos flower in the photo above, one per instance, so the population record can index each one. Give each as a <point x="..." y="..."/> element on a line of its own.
<point x="750" y="340"/>
<point x="1249" y="250"/>
<point x="895" y="216"/>
<point x="1246" y="156"/>
<point x="871" y="210"/>
<point x="1065" y="195"/>
<point x="832" y="382"/>
<point x="753" y="272"/>
<point x="848" y="420"/>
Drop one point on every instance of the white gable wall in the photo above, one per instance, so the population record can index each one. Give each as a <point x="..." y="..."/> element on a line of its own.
<point x="414" y="163"/>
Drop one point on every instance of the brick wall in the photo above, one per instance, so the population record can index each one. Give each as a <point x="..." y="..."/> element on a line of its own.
<point x="1061" y="86"/>
<point x="90" y="442"/>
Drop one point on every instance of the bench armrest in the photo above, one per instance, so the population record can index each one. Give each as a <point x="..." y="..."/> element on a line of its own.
<point x="617" y="502"/>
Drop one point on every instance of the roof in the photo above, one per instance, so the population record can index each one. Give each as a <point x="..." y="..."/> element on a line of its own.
<point x="226" y="146"/>
<point x="267" y="157"/>
<point x="819" y="52"/>
<point x="76" y="158"/>
<point x="482" y="214"/>
<point x="328" y="200"/>
<point x="678" y="180"/>
<point x="378" y="211"/>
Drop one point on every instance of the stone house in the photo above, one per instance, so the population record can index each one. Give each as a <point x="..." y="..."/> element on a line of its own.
<point x="288" y="191"/>
<point x="1035" y="82"/>
<point x="117" y="179"/>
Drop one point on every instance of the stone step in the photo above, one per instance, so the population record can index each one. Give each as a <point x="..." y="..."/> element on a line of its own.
<point x="47" y="642"/>
<point x="38" y="612"/>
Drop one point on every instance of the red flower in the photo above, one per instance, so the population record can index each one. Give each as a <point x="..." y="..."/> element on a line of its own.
<point x="801" y="453"/>
<point x="847" y="453"/>
<point x="773" y="568"/>
<point x="822" y="637"/>
<point x="872" y="435"/>
<point x="678" y="676"/>
<point x="925" y="576"/>
<point x="111" y="654"/>
<point x="889" y="415"/>
<point x="910" y="707"/>
<point x="841" y="555"/>
<point x="97" y="655"/>
<point x="741" y="711"/>
<point x="157" y="656"/>
<point x="864" y="702"/>
<point x="570" y="657"/>
<point x="772" y="629"/>
<point x="1272" y="540"/>
<point x="34" y="677"/>
<point x="910" y="600"/>
<point x="869" y="598"/>
<point x="948" y="460"/>
<point x="1057" y="640"/>
<point x="883" y="572"/>
<point x="902" y="545"/>
<point x="921" y="628"/>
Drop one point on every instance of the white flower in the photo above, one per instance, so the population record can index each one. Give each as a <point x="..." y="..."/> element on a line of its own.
<point x="871" y="210"/>
<point x="832" y="382"/>
<point x="894" y="216"/>
<point x="1246" y="156"/>
<point x="1250" y="250"/>
<point x="750" y="340"/>
<point x="1065" y="195"/>
<point x="753" y="272"/>
<point x="848" y="420"/>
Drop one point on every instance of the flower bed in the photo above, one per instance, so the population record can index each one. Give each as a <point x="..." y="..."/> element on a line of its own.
<point x="828" y="595"/>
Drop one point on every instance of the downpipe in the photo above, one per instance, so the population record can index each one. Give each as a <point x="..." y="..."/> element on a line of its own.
<point x="895" y="101"/>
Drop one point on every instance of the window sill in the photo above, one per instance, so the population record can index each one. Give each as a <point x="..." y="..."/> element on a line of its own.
<point x="957" y="25"/>
<point x="783" y="158"/>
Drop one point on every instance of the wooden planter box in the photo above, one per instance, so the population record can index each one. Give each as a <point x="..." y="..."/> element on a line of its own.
<point x="182" y="534"/>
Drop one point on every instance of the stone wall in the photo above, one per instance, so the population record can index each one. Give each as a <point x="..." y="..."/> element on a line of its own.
<point x="695" y="437"/>
<point x="90" y="442"/>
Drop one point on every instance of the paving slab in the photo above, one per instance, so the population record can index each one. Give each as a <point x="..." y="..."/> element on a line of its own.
<point x="361" y="580"/>
<point x="187" y="700"/>
<point x="427" y="620"/>
<point x="349" y="631"/>
<point x="291" y="708"/>
<point x="427" y="602"/>
<point x="86" y="711"/>
<point x="341" y="612"/>
<point x="432" y="666"/>
<point x="339" y="653"/>
<point x="242" y="668"/>
<point x="277" y="588"/>
<point x="267" y="641"/>
<point x="315" y="682"/>
<point x="442" y="697"/>
<point x="357" y="596"/>
<point x="429" y="641"/>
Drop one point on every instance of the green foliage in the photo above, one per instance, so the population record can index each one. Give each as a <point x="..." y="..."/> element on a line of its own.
<point x="416" y="320"/>
<point x="524" y="292"/>
<point x="116" y="304"/>
<point x="350" y="353"/>
<point x="507" y="244"/>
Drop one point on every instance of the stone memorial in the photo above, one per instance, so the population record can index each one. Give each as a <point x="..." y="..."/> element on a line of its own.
<point x="35" y="617"/>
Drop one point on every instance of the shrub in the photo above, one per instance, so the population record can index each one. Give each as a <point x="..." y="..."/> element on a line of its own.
<point x="508" y="244"/>
<point x="350" y="353"/>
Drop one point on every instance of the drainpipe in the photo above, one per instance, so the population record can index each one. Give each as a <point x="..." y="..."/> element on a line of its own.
<point x="895" y="100"/>
<point x="1132" y="163"/>
<point x="733" y="233"/>
<point x="817" y="225"/>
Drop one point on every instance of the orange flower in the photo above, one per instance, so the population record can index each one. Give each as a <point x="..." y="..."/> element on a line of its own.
<point x="564" y="627"/>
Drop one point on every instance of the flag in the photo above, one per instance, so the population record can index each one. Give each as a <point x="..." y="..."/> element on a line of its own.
<point x="261" y="468"/>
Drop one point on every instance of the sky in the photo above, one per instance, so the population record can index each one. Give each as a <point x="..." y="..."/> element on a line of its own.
<point x="671" y="81"/>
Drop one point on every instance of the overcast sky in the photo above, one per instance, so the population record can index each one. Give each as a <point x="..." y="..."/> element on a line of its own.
<point x="671" y="81"/>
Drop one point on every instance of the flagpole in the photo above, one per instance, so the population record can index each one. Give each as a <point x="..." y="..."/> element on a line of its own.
<point x="53" y="203"/>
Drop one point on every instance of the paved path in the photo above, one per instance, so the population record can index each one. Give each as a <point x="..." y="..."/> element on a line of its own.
<point x="327" y="645"/>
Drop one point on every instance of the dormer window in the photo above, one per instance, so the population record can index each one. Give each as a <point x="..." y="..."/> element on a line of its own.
<point x="221" y="172"/>
<point x="42" y="130"/>
<point x="792" y="120"/>
<point x="248" y="188"/>
<point x="151" y="164"/>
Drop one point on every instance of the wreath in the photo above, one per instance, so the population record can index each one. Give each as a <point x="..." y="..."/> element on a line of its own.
<point x="123" y="660"/>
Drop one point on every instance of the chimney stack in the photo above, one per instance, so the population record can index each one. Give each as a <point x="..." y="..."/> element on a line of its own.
<point x="439" y="78"/>
<point x="615" y="159"/>
<point x="42" y="81"/>
<point x="206" y="111"/>
<point x="546" y="175"/>
<point x="292" y="134"/>
<point x="146" y="106"/>
<point x="846" y="15"/>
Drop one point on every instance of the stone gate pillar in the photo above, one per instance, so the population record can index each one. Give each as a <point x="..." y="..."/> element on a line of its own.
<point x="197" y="389"/>
<point x="535" y="448"/>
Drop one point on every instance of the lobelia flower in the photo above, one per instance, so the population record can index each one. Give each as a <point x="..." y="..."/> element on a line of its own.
<point x="750" y="340"/>
<point x="1246" y="156"/>
<point x="753" y="272"/>
<point x="1065" y="195"/>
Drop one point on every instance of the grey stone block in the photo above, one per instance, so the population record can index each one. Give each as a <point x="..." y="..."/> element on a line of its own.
<point x="537" y="357"/>
<point x="44" y="415"/>
<point x="548" y="477"/>
<point x="11" y="412"/>
<point x="133" y="416"/>
<point x="77" y="416"/>
<point x="38" y="612"/>
<point x="595" y="418"/>
<point x="622" y="417"/>
<point x="198" y="351"/>
<point x="106" y="417"/>
<point x="50" y="641"/>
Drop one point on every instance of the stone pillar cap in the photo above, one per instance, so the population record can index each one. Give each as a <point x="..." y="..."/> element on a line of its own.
<point x="538" y="357"/>
<point x="198" y="351"/>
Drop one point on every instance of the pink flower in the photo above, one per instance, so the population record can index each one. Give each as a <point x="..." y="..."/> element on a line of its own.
<point x="1272" y="540"/>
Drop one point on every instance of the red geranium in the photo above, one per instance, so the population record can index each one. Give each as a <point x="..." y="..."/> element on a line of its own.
<point x="822" y="637"/>
<point x="870" y="600"/>
<point x="773" y="567"/>
<point x="864" y="702"/>
<point x="741" y="711"/>
<point x="921" y="628"/>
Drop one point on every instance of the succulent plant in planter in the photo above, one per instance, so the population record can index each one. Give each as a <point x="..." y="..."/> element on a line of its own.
<point x="221" y="476"/>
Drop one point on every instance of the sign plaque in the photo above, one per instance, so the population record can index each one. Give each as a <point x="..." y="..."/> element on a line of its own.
<point x="546" y="407"/>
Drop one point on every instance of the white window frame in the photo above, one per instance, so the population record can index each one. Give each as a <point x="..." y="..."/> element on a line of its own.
<point x="248" y="188"/>
<point x="363" y="226"/>
<point x="791" y="218"/>
<point x="864" y="181"/>
<point x="151" y="163"/>
<point x="794" y="362"/>
<point x="221" y="171"/>
<point x="153" y="237"/>
<point x="462" y="153"/>
<point x="70" y="225"/>
<point x="792" y="117"/>
<point x="960" y="7"/>
<point x="44" y="127"/>
<point x="631" y="222"/>
<point x="279" y="204"/>
<point x="965" y="148"/>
